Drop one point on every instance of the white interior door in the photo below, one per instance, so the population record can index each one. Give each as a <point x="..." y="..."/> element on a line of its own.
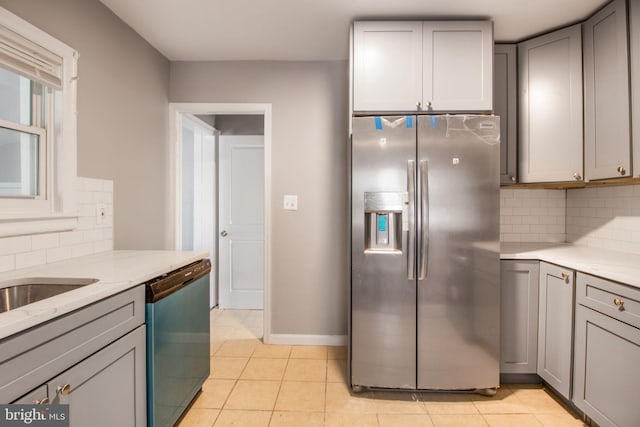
<point x="241" y="221"/>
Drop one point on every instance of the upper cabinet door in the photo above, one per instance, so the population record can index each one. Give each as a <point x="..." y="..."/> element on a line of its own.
<point x="505" y="95"/>
<point x="607" y="140"/>
<point x="387" y="66"/>
<point x="550" y="139"/>
<point x="458" y="62"/>
<point x="634" y="52"/>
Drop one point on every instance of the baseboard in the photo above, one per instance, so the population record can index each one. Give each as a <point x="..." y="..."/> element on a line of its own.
<point x="295" y="339"/>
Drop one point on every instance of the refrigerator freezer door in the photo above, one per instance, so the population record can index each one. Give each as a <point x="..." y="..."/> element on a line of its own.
<point x="458" y="254"/>
<point x="383" y="292"/>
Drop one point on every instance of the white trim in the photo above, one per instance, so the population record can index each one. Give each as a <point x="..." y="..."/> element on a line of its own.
<point x="176" y="109"/>
<point x="295" y="339"/>
<point x="59" y="192"/>
<point x="37" y="225"/>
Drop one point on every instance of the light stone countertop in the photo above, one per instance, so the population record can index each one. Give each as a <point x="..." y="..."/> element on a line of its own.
<point x="116" y="271"/>
<point x="620" y="267"/>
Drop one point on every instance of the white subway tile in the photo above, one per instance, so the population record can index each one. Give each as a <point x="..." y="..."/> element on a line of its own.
<point x="14" y="245"/>
<point x="7" y="263"/>
<point x="30" y="259"/>
<point x="69" y="238"/>
<point x="45" y="241"/>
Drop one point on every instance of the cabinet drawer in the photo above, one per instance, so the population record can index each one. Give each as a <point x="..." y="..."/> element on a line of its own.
<point x="33" y="357"/>
<point x="619" y="301"/>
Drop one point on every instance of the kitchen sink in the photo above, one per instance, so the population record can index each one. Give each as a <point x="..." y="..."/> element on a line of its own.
<point x="20" y="292"/>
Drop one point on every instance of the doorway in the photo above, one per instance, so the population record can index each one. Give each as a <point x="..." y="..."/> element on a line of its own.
<point x="237" y="224"/>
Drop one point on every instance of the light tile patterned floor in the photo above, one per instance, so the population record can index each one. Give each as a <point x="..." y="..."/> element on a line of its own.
<point x="253" y="384"/>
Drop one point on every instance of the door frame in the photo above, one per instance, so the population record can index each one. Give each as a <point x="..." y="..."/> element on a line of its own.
<point x="176" y="109"/>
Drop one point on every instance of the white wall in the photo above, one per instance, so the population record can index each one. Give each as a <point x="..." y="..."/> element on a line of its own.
<point x="89" y="238"/>
<point x="122" y="111"/>
<point x="309" y="158"/>
<point x="607" y="217"/>
<point x="532" y="215"/>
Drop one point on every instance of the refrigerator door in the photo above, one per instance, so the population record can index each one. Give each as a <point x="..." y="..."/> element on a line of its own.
<point x="383" y="286"/>
<point x="458" y="252"/>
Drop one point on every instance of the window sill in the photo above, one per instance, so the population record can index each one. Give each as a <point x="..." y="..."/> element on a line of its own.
<point x="52" y="224"/>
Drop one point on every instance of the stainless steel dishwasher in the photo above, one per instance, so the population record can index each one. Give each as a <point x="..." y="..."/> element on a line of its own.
<point x="177" y="317"/>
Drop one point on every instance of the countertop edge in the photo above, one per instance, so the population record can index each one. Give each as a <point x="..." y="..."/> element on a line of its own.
<point x="109" y="267"/>
<point x="622" y="267"/>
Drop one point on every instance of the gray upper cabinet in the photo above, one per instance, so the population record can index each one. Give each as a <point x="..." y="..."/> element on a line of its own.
<point x="555" y="327"/>
<point x="415" y="65"/>
<point x="505" y="96"/>
<point x="519" y="316"/>
<point x="457" y="67"/>
<point x="607" y="351"/>
<point x="607" y="142"/>
<point x="387" y="65"/>
<point x="550" y="128"/>
<point x="634" y="51"/>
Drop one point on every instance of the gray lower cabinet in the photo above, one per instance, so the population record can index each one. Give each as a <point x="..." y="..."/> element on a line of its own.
<point x="555" y="327"/>
<point x="519" y="316"/>
<point x="92" y="359"/>
<point x="607" y="351"/>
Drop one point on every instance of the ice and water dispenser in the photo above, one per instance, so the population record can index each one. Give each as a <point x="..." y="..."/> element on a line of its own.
<point x="385" y="218"/>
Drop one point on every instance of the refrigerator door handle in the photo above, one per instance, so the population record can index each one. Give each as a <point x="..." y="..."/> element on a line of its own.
<point x="424" y="218"/>
<point x="411" y="244"/>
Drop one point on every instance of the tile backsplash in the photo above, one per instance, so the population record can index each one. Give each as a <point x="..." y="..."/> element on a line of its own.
<point x="89" y="238"/>
<point x="532" y="215"/>
<point x="607" y="217"/>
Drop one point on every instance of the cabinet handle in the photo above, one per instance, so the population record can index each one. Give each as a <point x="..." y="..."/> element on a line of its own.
<point x="619" y="303"/>
<point x="621" y="170"/>
<point x="419" y="105"/>
<point x="44" y="401"/>
<point x="565" y="277"/>
<point x="577" y="176"/>
<point x="64" y="389"/>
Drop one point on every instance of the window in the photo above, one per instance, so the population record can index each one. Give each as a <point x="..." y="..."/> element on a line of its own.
<point x="37" y="129"/>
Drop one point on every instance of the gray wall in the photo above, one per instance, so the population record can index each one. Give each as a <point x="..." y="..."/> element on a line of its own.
<point x="309" y="158"/>
<point x="122" y="112"/>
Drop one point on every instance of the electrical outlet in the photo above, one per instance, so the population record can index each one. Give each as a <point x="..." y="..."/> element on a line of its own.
<point x="101" y="214"/>
<point x="290" y="202"/>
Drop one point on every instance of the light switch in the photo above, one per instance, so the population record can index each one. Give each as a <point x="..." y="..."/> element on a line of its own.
<point x="290" y="202"/>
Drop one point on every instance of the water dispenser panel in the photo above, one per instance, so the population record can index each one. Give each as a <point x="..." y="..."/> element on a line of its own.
<point x="385" y="220"/>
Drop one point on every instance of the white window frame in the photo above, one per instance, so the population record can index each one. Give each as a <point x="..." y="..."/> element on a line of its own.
<point x="56" y="207"/>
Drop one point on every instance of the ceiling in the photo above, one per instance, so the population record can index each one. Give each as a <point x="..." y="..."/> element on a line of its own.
<point x="308" y="30"/>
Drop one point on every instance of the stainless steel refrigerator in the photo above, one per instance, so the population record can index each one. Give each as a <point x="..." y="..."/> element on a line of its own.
<point x="425" y="272"/>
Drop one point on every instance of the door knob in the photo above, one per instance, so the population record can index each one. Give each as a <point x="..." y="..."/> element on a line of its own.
<point x="224" y="233"/>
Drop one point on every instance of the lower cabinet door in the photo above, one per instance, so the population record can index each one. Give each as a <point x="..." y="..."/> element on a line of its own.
<point x="607" y="378"/>
<point x="555" y="327"/>
<point x="108" y="388"/>
<point x="519" y="316"/>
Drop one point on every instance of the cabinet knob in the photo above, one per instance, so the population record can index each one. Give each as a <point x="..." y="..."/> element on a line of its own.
<point x="565" y="277"/>
<point x="419" y="105"/>
<point x="64" y="389"/>
<point x="513" y="178"/>
<point x="619" y="303"/>
<point x="621" y="170"/>
<point x="577" y="176"/>
<point x="44" y="401"/>
<point x="429" y="107"/>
